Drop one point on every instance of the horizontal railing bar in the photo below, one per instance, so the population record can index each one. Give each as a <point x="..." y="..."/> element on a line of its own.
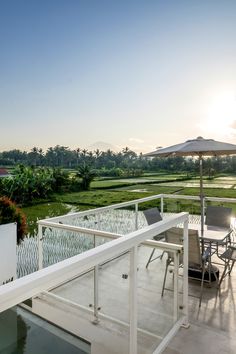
<point x="178" y="196"/>
<point x="166" y="340"/>
<point x="216" y="199"/>
<point x="101" y="315"/>
<point x="106" y="208"/>
<point x="158" y="244"/>
<point x="136" y="201"/>
<point x="192" y="197"/>
<point x="26" y="287"/>
<point x="84" y="230"/>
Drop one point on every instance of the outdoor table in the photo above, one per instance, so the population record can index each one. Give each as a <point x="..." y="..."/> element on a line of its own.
<point x="212" y="235"/>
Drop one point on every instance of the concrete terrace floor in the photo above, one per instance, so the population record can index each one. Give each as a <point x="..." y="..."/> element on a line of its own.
<point x="212" y="326"/>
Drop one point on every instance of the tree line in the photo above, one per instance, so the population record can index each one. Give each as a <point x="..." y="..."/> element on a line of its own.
<point x="110" y="163"/>
<point x="28" y="184"/>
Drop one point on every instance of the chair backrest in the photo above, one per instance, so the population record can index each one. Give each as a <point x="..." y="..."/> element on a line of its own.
<point x="218" y="216"/>
<point x="233" y="254"/>
<point x="175" y="235"/>
<point x="194" y="250"/>
<point x="152" y="215"/>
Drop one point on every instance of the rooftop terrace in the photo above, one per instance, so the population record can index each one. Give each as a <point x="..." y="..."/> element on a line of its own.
<point x="99" y="296"/>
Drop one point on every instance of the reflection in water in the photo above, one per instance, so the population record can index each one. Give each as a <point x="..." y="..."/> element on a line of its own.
<point x="23" y="333"/>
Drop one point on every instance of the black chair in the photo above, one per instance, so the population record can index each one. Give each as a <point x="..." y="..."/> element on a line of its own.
<point x="218" y="216"/>
<point x="152" y="216"/>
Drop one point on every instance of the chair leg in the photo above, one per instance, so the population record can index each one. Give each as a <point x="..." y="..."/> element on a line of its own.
<point x="161" y="256"/>
<point x="150" y="258"/>
<point x="231" y="267"/>
<point x="202" y="281"/>
<point x="224" y="272"/>
<point x="215" y="275"/>
<point x="164" y="281"/>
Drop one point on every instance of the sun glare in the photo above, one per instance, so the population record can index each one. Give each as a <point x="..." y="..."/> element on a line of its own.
<point x="221" y="114"/>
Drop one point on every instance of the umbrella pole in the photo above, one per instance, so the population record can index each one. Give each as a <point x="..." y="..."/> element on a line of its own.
<point x="201" y="195"/>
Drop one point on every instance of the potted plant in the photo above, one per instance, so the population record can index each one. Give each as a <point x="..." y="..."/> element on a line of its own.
<point x="10" y="213"/>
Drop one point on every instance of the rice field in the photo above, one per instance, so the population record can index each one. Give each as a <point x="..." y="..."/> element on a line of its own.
<point x="59" y="246"/>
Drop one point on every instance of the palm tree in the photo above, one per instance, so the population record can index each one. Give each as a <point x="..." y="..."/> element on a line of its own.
<point x="97" y="153"/>
<point x="51" y="157"/>
<point x="33" y="156"/>
<point x="78" y="151"/>
<point x="84" y="152"/>
<point x="86" y="174"/>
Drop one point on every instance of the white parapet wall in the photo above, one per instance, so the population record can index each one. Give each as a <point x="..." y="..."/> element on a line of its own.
<point x="7" y="253"/>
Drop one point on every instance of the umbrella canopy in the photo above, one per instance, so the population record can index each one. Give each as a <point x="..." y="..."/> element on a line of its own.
<point x="197" y="147"/>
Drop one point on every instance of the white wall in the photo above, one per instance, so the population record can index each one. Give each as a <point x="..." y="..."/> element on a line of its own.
<point x="7" y="253"/>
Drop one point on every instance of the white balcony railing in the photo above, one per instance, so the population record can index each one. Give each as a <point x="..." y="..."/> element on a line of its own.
<point x="87" y="233"/>
<point x="33" y="284"/>
<point x="119" y="219"/>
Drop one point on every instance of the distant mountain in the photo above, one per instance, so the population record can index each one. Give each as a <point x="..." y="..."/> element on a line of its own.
<point x="103" y="146"/>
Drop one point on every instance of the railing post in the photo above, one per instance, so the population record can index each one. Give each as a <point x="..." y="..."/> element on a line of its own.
<point x="95" y="289"/>
<point x="95" y="312"/>
<point x="185" y="274"/>
<point x="133" y="301"/>
<point x="162" y="206"/>
<point x="99" y="222"/>
<point x="176" y="285"/>
<point x="136" y="216"/>
<point x="204" y="205"/>
<point x="40" y="247"/>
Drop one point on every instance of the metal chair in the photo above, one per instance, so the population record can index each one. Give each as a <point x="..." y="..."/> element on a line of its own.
<point x="218" y="216"/>
<point x="197" y="262"/>
<point x="229" y="258"/>
<point x="152" y="216"/>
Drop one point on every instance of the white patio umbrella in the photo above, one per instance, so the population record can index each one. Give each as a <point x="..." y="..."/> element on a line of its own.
<point x="197" y="147"/>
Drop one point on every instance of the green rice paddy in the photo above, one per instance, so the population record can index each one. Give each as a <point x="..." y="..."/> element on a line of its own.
<point x="107" y="192"/>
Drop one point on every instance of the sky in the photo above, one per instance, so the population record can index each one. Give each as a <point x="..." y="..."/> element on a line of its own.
<point x="136" y="73"/>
